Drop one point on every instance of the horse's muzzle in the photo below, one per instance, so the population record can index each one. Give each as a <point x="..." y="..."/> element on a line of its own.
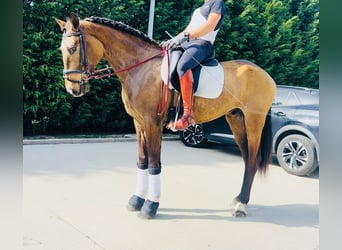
<point x="78" y="92"/>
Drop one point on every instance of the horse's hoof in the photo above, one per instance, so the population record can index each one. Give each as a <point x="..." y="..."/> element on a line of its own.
<point x="239" y="213"/>
<point x="149" y="210"/>
<point x="135" y="203"/>
<point x="239" y="210"/>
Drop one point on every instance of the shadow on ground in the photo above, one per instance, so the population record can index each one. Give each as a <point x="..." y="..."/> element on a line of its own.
<point x="289" y="215"/>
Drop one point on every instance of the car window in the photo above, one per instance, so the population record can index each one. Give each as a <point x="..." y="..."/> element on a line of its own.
<point x="309" y="97"/>
<point x="293" y="96"/>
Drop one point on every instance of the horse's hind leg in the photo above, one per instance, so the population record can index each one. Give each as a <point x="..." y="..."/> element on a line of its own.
<point x="237" y="124"/>
<point x="247" y="132"/>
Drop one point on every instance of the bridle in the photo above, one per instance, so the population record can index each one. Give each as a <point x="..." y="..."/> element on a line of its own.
<point x="84" y="65"/>
<point x="83" y="62"/>
<point x="86" y="74"/>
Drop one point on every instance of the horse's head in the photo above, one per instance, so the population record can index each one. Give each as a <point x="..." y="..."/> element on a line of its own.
<point x="80" y="55"/>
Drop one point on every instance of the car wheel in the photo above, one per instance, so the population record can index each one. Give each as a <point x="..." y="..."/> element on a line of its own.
<point x="296" y="155"/>
<point x="193" y="136"/>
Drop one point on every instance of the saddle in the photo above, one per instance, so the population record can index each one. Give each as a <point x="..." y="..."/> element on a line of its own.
<point x="208" y="76"/>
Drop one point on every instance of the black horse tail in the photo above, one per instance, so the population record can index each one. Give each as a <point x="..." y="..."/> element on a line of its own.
<point x="265" y="148"/>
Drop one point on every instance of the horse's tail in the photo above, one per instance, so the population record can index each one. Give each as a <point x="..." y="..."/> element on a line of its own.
<point x="265" y="147"/>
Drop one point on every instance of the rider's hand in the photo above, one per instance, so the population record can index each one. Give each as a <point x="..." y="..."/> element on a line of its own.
<point x="165" y="44"/>
<point x="176" y="41"/>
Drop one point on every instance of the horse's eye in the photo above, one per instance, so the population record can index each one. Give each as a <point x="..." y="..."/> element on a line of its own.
<point x="72" y="49"/>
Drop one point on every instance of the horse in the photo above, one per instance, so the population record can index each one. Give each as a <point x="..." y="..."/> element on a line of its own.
<point x="245" y="100"/>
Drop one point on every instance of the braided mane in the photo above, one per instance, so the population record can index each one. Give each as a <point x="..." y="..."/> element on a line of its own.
<point x="121" y="27"/>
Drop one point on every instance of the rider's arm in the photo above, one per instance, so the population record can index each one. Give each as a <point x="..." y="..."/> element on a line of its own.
<point x="207" y="27"/>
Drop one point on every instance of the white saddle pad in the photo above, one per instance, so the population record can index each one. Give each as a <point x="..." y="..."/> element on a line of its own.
<point x="211" y="80"/>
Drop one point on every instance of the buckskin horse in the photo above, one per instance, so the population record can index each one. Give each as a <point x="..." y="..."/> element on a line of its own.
<point x="245" y="100"/>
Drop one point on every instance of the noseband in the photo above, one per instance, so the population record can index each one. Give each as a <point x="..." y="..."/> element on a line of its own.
<point x="83" y="62"/>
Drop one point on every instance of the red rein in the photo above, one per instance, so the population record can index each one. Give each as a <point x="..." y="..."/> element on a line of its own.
<point x="164" y="89"/>
<point x="94" y="75"/>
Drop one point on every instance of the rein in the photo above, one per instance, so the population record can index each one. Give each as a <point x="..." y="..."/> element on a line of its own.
<point x="94" y="74"/>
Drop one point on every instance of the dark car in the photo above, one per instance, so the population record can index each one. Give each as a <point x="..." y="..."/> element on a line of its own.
<point x="295" y="128"/>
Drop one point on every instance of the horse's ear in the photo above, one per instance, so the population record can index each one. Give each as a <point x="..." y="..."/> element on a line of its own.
<point x="74" y="20"/>
<point x="60" y="23"/>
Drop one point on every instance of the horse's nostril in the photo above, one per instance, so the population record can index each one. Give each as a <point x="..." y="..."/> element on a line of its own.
<point x="77" y="93"/>
<point x="72" y="92"/>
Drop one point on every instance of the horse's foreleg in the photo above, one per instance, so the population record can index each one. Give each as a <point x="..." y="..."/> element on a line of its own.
<point x="153" y="136"/>
<point x="147" y="193"/>
<point x="136" y="202"/>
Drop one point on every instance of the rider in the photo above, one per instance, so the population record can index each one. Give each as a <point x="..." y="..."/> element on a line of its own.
<point x="197" y="40"/>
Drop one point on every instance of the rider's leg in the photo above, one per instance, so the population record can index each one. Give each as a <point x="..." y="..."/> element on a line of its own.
<point x="194" y="53"/>
<point x="186" y="85"/>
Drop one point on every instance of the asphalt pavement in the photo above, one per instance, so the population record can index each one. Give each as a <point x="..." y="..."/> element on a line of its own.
<point x="75" y="195"/>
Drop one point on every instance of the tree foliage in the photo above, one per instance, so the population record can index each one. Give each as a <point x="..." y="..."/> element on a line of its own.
<point x="282" y="36"/>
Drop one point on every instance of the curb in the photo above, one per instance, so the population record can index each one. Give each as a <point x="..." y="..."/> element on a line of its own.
<point x="120" y="138"/>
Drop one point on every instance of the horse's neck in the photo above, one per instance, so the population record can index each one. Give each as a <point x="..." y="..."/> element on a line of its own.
<point x="123" y="50"/>
<point x="127" y="51"/>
